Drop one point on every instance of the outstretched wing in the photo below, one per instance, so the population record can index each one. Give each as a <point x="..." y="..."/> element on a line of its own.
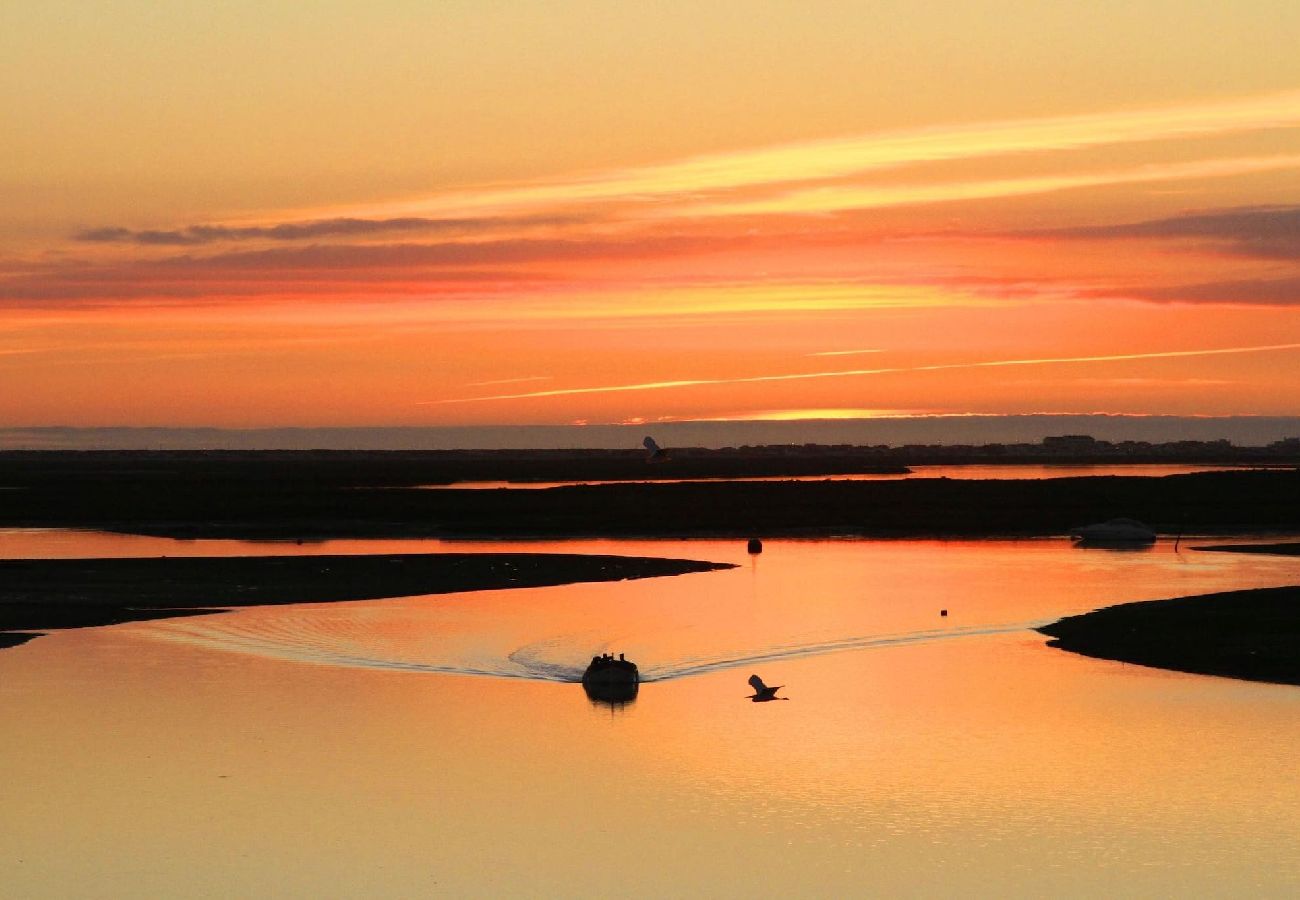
<point x="757" y="684"/>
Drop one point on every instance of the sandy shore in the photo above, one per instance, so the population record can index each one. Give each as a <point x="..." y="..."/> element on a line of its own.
<point x="39" y="595"/>
<point x="1253" y="635"/>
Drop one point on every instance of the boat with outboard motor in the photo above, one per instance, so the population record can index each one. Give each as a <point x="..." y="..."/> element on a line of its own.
<point x="611" y="679"/>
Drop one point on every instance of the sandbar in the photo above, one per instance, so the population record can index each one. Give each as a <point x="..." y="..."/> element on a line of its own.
<point x="1252" y="635"/>
<point x="37" y="595"/>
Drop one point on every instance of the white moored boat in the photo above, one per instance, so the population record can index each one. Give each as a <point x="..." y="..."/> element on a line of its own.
<point x="1114" y="531"/>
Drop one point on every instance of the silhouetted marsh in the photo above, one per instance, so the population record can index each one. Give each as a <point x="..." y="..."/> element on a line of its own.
<point x="277" y="496"/>
<point x="1253" y="634"/>
<point x="38" y="595"/>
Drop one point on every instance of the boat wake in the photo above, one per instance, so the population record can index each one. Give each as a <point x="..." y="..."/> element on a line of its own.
<point x="363" y="642"/>
<point x="687" y="668"/>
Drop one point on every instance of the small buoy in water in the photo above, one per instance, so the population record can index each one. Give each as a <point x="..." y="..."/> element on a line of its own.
<point x="755" y="545"/>
<point x="943" y="612"/>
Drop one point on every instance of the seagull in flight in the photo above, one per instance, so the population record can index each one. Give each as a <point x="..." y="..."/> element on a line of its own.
<point x="762" y="692"/>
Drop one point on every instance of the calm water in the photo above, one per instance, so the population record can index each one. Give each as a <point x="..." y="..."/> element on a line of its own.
<point x="990" y="472"/>
<point x="432" y="745"/>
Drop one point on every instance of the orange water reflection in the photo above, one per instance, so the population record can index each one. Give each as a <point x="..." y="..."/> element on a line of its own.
<point x="985" y="764"/>
<point x="798" y="598"/>
<point x="963" y="472"/>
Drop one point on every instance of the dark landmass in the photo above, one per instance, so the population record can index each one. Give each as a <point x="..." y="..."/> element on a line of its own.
<point x="13" y="639"/>
<point x="968" y="438"/>
<point x="370" y="469"/>
<point x="38" y="595"/>
<point x="1271" y="549"/>
<point x="1253" y="635"/>
<point x="314" y="496"/>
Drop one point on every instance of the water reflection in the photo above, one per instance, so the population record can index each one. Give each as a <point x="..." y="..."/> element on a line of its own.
<point x="615" y="695"/>
<point x="807" y="598"/>
<point x="314" y="751"/>
<point x="1001" y="472"/>
<point x="1122" y="546"/>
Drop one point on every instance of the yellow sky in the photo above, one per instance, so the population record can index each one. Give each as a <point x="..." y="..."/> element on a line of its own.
<point x="460" y="213"/>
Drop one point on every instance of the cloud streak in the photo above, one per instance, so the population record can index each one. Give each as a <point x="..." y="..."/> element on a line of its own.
<point x="790" y="208"/>
<point x="1269" y="232"/>
<point x="835" y="198"/>
<point x="332" y="268"/>
<point x="192" y="235"/>
<point x="844" y="352"/>
<point x="857" y="156"/>
<point x="1243" y="292"/>
<point x="508" y="381"/>
<point x="849" y="373"/>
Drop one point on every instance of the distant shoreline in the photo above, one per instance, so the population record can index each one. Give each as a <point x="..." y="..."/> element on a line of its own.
<point x="1252" y="635"/>
<point x="895" y="430"/>
<point x="37" y="596"/>
<point x="317" y="497"/>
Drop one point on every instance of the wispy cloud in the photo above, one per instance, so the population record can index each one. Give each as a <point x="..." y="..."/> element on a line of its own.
<point x="79" y="283"/>
<point x="1157" y="382"/>
<point x="809" y="177"/>
<point x="308" y="230"/>
<point x="811" y="414"/>
<point x="838" y="197"/>
<point x="328" y="268"/>
<point x="794" y="204"/>
<point x="849" y="373"/>
<point x="451" y="253"/>
<point x="1243" y="292"/>
<point x="1270" y="232"/>
<point x="858" y="155"/>
<point x="844" y="352"/>
<point x="508" y="381"/>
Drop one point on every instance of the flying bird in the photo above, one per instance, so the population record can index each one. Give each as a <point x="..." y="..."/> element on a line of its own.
<point x="762" y="692"/>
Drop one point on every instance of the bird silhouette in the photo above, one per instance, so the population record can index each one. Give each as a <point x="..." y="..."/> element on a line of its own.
<point x="763" y="693"/>
<point x="654" y="453"/>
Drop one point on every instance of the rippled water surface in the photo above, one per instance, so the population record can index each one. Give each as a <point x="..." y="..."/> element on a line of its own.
<point x="434" y="744"/>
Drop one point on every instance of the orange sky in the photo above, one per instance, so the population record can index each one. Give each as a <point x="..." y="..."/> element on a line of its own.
<point x="390" y="214"/>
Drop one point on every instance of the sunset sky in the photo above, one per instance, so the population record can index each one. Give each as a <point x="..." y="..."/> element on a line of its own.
<point x="467" y="213"/>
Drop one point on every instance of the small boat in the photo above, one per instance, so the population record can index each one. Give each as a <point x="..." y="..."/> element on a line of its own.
<point x="1115" y="532"/>
<point x="611" y="679"/>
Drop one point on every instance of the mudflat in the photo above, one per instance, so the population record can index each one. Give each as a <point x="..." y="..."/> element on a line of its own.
<point x="1254" y="634"/>
<point x="39" y="595"/>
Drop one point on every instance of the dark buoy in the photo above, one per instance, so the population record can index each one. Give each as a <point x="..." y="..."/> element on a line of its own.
<point x="943" y="612"/>
<point x="755" y="545"/>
